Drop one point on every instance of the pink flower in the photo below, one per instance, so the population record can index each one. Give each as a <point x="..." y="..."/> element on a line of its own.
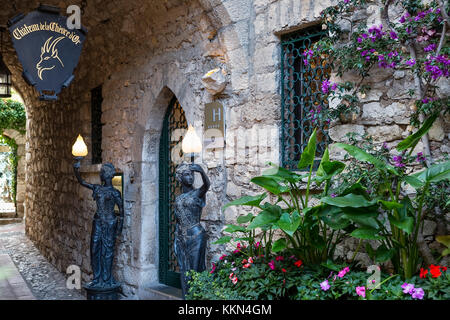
<point x="417" y="293"/>
<point x="231" y="275"/>
<point x="247" y="265"/>
<point x="257" y="245"/>
<point x="223" y="257"/>
<point x="343" y="272"/>
<point x="250" y="260"/>
<point x="325" y="285"/>
<point x="410" y="62"/>
<point x="213" y="268"/>
<point x="272" y="265"/>
<point x="234" y="280"/>
<point x="407" y="287"/>
<point x="361" y="291"/>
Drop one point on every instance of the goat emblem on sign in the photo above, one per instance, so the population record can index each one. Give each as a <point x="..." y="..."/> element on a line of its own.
<point x="49" y="56"/>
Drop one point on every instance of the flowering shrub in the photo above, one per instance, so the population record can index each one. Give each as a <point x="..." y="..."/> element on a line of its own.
<point x="283" y="276"/>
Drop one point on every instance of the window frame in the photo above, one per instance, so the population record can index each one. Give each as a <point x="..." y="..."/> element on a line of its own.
<point x="296" y="41"/>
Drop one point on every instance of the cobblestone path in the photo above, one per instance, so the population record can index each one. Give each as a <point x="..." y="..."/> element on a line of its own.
<point x="43" y="279"/>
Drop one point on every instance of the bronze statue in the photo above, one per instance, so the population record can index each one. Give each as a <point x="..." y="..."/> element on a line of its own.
<point x="106" y="227"/>
<point x="190" y="236"/>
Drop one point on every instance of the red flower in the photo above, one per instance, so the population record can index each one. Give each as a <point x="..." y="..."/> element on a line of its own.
<point x="444" y="269"/>
<point x="244" y="261"/>
<point x="423" y="272"/>
<point x="298" y="263"/>
<point x="279" y="258"/>
<point x="284" y="270"/>
<point x="435" y="271"/>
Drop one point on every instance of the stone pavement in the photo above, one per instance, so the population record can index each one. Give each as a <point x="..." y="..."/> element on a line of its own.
<point x="28" y="269"/>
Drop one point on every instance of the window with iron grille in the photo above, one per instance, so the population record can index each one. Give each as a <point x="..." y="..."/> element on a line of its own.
<point x="301" y="97"/>
<point x="96" y="124"/>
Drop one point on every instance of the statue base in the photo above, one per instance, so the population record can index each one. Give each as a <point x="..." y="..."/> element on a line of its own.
<point x="108" y="293"/>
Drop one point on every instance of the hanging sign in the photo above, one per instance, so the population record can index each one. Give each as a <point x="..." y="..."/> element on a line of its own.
<point x="214" y="126"/>
<point x="47" y="49"/>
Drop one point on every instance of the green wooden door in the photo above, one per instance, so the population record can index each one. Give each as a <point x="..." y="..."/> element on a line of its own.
<point x="174" y="128"/>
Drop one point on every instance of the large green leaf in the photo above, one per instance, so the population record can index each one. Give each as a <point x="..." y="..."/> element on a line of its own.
<point x="364" y="217"/>
<point x="383" y="254"/>
<point x="289" y="223"/>
<point x="279" y="245"/>
<point x="361" y="155"/>
<point x="327" y="169"/>
<point x="265" y="217"/>
<point x="309" y="153"/>
<point x="231" y="228"/>
<point x="366" y="233"/>
<point x="349" y="200"/>
<point x="282" y="174"/>
<point x="435" y="173"/>
<point x="391" y="205"/>
<point x="253" y="201"/>
<point x="333" y="216"/>
<point x="270" y="184"/>
<point x="412" y="140"/>
<point x="245" y="219"/>
<point x="445" y="240"/>
<point x="223" y="240"/>
<point x="405" y="224"/>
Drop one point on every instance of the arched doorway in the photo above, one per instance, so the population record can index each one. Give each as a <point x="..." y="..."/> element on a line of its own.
<point x="174" y="128"/>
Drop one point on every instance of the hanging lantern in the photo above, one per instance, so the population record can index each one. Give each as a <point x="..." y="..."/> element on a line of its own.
<point x="5" y="74"/>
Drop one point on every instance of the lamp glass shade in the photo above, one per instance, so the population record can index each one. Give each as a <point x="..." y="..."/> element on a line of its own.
<point x="191" y="142"/>
<point x="79" y="148"/>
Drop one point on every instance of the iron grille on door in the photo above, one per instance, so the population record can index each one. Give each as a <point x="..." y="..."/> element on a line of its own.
<point x="300" y="96"/>
<point x="174" y="129"/>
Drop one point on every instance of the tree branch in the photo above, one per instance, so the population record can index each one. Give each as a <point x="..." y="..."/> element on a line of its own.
<point x="418" y="84"/>
<point x="443" y="6"/>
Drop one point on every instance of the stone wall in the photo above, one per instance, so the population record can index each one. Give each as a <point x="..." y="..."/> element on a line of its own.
<point x="143" y="54"/>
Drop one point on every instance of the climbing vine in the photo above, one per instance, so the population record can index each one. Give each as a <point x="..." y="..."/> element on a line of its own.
<point x="416" y="42"/>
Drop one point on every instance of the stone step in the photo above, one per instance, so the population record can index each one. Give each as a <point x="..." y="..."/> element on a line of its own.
<point x="10" y="214"/>
<point x="160" y="292"/>
<point x="4" y="221"/>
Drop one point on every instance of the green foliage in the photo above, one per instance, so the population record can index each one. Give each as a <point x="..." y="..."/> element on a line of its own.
<point x="283" y="277"/>
<point x="353" y="50"/>
<point x="308" y="231"/>
<point x="403" y="214"/>
<point x="13" y="160"/>
<point x="12" y="115"/>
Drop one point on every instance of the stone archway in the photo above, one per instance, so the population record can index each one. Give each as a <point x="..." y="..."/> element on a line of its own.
<point x="20" y="191"/>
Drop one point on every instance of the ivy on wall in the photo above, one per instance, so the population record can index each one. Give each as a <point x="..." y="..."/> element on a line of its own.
<point x="12" y="116"/>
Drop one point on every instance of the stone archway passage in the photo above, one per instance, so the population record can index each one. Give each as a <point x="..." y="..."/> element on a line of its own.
<point x="174" y="127"/>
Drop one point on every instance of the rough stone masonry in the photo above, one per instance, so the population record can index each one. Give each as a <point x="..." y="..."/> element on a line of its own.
<point x="143" y="54"/>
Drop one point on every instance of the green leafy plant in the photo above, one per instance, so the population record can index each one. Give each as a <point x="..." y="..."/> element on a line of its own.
<point x="284" y="277"/>
<point x="403" y="214"/>
<point x="12" y="116"/>
<point x="308" y="231"/>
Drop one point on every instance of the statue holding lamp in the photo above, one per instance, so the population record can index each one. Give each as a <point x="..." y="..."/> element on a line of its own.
<point x="106" y="227"/>
<point x="190" y="236"/>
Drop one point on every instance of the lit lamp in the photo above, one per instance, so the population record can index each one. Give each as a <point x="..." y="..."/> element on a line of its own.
<point x="191" y="143"/>
<point x="79" y="149"/>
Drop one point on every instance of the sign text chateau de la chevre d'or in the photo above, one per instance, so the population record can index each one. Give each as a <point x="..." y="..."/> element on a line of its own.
<point x="47" y="50"/>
